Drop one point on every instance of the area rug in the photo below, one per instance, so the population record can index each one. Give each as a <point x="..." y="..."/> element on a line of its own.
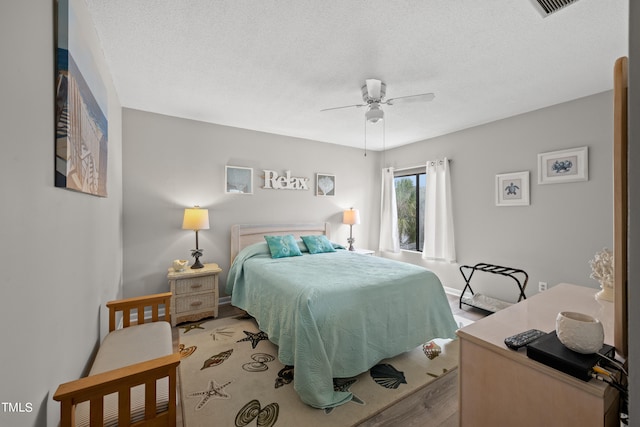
<point x="230" y="376"/>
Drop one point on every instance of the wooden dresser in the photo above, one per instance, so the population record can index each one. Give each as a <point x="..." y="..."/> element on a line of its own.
<point x="195" y="293"/>
<point x="500" y="387"/>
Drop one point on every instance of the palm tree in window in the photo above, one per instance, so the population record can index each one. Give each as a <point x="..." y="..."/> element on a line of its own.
<point x="406" y="202"/>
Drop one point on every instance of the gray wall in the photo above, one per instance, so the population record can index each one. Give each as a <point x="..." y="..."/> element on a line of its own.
<point x="172" y="163"/>
<point x="554" y="237"/>
<point x="62" y="250"/>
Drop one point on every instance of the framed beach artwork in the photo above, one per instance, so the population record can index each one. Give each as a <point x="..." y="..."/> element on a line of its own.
<point x="512" y="189"/>
<point x="238" y="180"/>
<point x="563" y="166"/>
<point x="81" y="120"/>
<point x="325" y="184"/>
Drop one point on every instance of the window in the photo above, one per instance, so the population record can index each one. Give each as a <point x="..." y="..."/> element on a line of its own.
<point x="410" y="196"/>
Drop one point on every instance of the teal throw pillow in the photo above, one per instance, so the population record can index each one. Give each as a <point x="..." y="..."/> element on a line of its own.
<point x="283" y="246"/>
<point x="318" y="244"/>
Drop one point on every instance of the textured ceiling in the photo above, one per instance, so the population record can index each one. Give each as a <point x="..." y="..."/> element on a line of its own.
<point x="272" y="65"/>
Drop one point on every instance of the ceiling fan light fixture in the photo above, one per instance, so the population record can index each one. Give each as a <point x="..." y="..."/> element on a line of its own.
<point x="374" y="114"/>
<point x="373" y="90"/>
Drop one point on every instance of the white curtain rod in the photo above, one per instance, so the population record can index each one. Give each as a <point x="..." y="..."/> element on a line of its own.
<point x="418" y="166"/>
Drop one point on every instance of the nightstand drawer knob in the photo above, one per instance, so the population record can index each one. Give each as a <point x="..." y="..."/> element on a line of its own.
<point x="196" y="286"/>
<point x="196" y="303"/>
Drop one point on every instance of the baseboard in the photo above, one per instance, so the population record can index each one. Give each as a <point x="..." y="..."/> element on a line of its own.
<point x="452" y="291"/>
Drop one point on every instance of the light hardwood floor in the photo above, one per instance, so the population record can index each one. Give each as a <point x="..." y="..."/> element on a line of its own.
<point x="437" y="407"/>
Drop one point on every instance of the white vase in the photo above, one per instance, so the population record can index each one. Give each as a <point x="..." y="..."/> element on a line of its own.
<point x="580" y="332"/>
<point x="606" y="294"/>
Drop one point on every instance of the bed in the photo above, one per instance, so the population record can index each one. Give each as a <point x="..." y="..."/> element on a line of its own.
<point x="333" y="314"/>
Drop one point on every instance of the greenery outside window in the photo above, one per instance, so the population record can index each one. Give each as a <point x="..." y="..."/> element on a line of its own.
<point x="410" y="196"/>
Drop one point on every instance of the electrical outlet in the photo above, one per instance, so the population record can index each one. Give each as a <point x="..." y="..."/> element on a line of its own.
<point x="542" y="286"/>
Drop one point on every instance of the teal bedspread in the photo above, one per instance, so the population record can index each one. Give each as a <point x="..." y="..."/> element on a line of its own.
<point x="337" y="314"/>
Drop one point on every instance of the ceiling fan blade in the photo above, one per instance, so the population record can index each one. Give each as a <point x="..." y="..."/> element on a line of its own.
<point x="373" y="88"/>
<point x="346" y="106"/>
<point x="422" y="97"/>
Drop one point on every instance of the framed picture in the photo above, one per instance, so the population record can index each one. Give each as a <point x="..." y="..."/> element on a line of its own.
<point x="563" y="166"/>
<point x="81" y="120"/>
<point x="325" y="184"/>
<point x="238" y="180"/>
<point x="512" y="189"/>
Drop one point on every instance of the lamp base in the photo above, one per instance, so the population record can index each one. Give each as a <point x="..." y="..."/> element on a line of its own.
<point x="350" y="240"/>
<point x="197" y="253"/>
<point x="197" y="264"/>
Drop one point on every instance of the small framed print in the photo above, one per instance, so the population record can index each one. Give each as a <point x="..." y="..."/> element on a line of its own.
<point x="325" y="184"/>
<point x="238" y="180"/>
<point x="512" y="189"/>
<point x="563" y="166"/>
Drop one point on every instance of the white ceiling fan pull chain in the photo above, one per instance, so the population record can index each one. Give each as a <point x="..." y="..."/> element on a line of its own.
<point x="365" y="137"/>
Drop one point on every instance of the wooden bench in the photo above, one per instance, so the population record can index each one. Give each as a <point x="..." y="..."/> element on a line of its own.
<point x="133" y="378"/>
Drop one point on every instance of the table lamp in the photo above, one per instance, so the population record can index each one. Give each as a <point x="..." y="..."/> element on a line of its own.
<point x="196" y="219"/>
<point x="351" y="217"/>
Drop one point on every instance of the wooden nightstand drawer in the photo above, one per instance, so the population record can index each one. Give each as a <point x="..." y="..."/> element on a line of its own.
<point x="196" y="284"/>
<point x="205" y="301"/>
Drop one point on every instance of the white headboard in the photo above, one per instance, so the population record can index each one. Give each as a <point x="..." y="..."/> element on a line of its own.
<point x="243" y="235"/>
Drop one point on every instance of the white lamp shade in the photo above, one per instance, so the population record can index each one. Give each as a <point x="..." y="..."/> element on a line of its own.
<point x="196" y="219"/>
<point x="351" y="217"/>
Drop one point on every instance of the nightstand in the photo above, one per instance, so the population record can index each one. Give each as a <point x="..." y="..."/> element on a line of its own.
<point x="364" y="251"/>
<point x="194" y="293"/>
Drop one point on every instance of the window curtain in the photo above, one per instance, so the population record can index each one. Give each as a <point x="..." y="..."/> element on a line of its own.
<point x="439" y="242"/>
<point x="389" y="241"/>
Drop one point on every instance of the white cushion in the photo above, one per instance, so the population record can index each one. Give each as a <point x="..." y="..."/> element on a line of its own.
<point x="131" y="345"/>
<point x="124" y="347"/>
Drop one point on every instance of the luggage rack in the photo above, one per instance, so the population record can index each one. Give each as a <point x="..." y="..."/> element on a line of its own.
<point x="484" y="302"/>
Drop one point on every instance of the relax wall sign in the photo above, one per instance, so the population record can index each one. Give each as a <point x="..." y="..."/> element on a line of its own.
<point x="274" y="181"/>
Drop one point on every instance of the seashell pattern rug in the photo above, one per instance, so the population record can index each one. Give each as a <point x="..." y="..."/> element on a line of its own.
<point x="230" y="376"/>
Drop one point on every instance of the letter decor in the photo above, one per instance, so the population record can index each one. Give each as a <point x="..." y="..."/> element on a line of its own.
<point x="287" y="182"/>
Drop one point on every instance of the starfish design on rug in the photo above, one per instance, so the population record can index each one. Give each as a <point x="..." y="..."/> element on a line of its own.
<point x="344" y="384"/>
<point x="225" y="332"/>
<point x="192" y="326"/>
<point x="255" y="338"/>
<point x="214" y="390"/>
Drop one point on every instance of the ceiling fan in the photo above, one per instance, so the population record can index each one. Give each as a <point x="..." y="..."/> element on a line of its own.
<point x="373" y="93"/>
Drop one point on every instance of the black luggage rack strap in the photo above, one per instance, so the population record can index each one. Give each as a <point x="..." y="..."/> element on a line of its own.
<point x="486" y="303"/>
